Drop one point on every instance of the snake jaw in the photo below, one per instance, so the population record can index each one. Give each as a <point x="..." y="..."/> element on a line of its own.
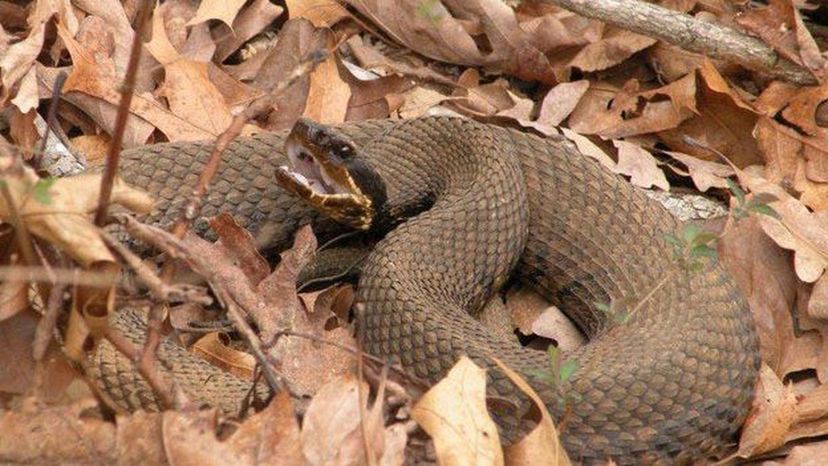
<point x="319" y="175"/>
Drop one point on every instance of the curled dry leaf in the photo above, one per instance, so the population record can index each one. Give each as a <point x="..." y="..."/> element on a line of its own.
<point x="236" y="362"/>
<point x="19" y="58"/>
<point x="780" y="24"/>
<point x="541" y="446"/>
<point x="453" y="412"/>
<point x="773" y="413"/>
<point x="589" y="148"/>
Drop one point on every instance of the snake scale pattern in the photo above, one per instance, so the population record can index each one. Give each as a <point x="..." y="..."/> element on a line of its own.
<point x="670" y="384"/>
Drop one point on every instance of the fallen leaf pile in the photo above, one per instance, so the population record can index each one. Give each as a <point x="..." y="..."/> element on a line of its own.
<point x="665" y="118"/>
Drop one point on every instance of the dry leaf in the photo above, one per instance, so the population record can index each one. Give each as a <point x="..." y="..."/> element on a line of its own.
<point x="298" y="40"/>
<point x="332" y="427"/>
<point x="542" y="446"/>
<point x="560" y="101"/>
<point x="722" y="121"/>
<point x="328" y="94"/>
<point x="20" y="57"/>
<point x="51" y="435"/>
<point x="762" y="271"/>
<point x="803" y="232"/>
<point x="590" y="149"/>
<point x="222" y="10"/>
<point x="93" y="77"/>
<point x="252" y="20"/>
<point x="555" y="325"/>
<point x="705" y="174"/>
<point x="774" y="411"/>
<point x="639" y="165"/>
<point x="430" y="29"/>
<point x="321" y="13"/>
<point x="17" y="364"/>
<point x="59" y="210"/>
<point x="626" y="112"/>
<point x="213" y="349"/>
<point x="453" y="412"/>
<point x="187" y="86"/>
<point x="267" y="437"/>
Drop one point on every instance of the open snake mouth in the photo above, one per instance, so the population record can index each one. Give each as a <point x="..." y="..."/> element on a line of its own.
<point x="320" y="174"/>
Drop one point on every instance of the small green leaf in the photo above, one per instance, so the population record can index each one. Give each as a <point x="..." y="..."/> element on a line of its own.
<point x="3" y="183"/>
<point x="554" y="359"/>
<point x="621" y="317"/>
<point x="703" y="250"/>
<point x="691" y="231"/>
<point x="567" y="369"/>
<point x="603" y="307"/>
<point x="703" y="238"/>
<point x="765" y="209"/>
<point x="430" y="10"/>
<point x="41" y="190"/>
<point x="672" y="240"/>
<point x="736" y="190"/>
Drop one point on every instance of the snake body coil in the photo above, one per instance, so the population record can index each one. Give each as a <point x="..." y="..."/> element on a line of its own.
<point x="670" y="384"/>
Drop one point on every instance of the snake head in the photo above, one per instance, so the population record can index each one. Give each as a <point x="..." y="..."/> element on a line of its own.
<point x="322" y="174"/>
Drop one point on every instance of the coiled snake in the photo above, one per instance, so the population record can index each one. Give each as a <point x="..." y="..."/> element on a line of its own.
<point x="672" y="383"/>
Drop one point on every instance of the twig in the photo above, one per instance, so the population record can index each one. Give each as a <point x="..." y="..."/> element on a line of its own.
<point x="128" y="89"/>
<point x="160" y="291"/>
<point x="51" y="117"/>
<point x="46" y="325"/>
<point x="147" y="368"/>
<point x="682" y="30"/>
<point x="35" y="273"/>
<point x="274" y="380"/>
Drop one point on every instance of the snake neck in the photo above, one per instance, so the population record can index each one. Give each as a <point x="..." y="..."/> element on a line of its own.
<point x="464" y="216"/>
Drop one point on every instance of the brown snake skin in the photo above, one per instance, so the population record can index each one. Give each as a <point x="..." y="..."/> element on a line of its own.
<point x="672" y="383"/>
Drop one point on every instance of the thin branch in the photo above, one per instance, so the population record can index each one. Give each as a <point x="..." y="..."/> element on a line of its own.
<point x="148" y="369"/>
<point x="46" y="326"/>
<point x="114" y="154"/>
<point x="51" y="117"/>
<point x="682" y="30"/>
<point x="66" y="276"/>
<point x="160" y="290"/>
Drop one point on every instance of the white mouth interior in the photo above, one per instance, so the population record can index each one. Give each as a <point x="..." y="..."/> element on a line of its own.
<point x="307" y="172"/>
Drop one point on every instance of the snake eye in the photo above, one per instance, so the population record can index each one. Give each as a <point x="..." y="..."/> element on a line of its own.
<point x="343" y="151"/>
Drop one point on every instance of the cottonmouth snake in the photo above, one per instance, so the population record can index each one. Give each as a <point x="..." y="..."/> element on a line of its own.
<point x="670" y="384"/>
